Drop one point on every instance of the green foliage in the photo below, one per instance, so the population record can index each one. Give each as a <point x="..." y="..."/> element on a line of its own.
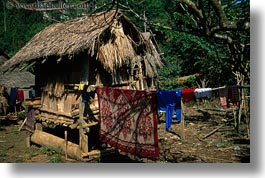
<point x="3" y="155"/>
<point x="56" y="159"/>
<point x="15" y="132"/>
<point x="32" y="151"/>
<point x="21" y="115"/>
<point x="48" y="151"/>
<point x="191" y="81"/>
<point x="18" y="26"/>
<point x="185" y="47"/>
<point x="56" y="156"/>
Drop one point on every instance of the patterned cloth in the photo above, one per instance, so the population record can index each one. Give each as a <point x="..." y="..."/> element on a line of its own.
<point x="233" y="95"/>
<point x="229" y="94"/>
<point x="223" y="94"/>
<point x="128" y="120"/>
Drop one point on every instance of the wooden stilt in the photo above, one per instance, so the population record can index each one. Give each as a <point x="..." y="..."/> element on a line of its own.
<point x="247" y="115"/>
<point x="235" y="119"/>
<point x="28" y="141"/>
<point x="83" y="138"/>
<point x="38" y="126"/>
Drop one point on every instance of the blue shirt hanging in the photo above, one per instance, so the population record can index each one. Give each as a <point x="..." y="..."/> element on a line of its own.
<point x="168" y="100"/>
<point x="13" y="97"/>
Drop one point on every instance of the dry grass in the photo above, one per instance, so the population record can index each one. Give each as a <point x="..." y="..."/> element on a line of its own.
<point x="110" y="36"/>
<point x="21" y="79"/>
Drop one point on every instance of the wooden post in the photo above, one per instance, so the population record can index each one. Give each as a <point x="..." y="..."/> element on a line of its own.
<point x="182" y="122"/>
<point x="141" y="76"/>
<point x="83" y="138"/>
<point x="235" y="119"/>
<point x="28" y="141"/>
<point x="247" y="117"/>
<point x="38" y="126"/>
<point x="246" y="111"/>
<point x="65" y="140"/>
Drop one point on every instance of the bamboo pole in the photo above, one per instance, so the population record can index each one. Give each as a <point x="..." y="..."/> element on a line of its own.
<point x="23" y="123"/>
<point x="213" y="131"/>
<point x="65" y="140"/>
<point x="182" y="121"/>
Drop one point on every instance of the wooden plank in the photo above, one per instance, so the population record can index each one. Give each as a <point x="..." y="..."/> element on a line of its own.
<point x="91" y="153"/>
<point x="56" y="112"/>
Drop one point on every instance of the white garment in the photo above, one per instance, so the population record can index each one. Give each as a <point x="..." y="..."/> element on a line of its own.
<point x="203" y="93"/>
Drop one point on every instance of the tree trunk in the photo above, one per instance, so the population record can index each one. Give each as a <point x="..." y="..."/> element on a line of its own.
<point x="51" y="141"/>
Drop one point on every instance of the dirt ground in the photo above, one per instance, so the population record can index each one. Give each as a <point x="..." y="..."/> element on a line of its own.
<point x="202" y="143"/>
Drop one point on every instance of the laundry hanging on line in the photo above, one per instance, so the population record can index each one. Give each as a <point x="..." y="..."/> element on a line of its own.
<point x="168" y="101"/>
<point x="203" y="93"/>
<point x="187" y="94"/>
<point x="229" y="94"/>
<point x="128" y="120"/>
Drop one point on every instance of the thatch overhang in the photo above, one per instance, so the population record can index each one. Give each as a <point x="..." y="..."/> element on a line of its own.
<point x="110" y="37"/>
<point x="16" y="78"/>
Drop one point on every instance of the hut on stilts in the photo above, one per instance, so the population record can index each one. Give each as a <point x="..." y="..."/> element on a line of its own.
<point x="72" y="58"/>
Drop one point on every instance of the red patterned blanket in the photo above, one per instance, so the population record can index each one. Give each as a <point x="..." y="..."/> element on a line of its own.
<point x="128" y="120"/>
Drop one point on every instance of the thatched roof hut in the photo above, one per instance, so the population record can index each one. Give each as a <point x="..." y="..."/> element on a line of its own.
<point x="103" y="49"/>
<point x="110" y="37"/>
<point x="15" y="78"/>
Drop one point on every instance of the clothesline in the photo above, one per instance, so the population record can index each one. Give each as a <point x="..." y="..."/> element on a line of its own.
<point x="239" y="86"/>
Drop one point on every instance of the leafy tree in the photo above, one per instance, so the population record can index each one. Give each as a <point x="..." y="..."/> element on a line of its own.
<point x="210" y="37"/>
<point x="18" y="26"/>
<point x="199" y="36"/>
<point x="224" y="25"/>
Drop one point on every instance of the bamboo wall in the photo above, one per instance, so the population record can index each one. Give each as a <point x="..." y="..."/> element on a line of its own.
<point x="56" y="79"/>
<point x="68" y="104"/>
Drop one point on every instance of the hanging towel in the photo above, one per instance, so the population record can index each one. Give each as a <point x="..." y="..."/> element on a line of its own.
<point x="26" y="94"/>
<point x="203" y="93"/>
<point x="13" y="97"/>
<point x="20" y="95"/>
<point x="31" y="94"/>
<point x="128" y="120"/>
<point x="223" y="94"/>
<point x="168" y="100"/>
<point x="187" y="94"/>
<point x="233" y="95"/>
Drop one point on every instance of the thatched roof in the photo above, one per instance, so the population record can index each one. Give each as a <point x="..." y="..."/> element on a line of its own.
<point x="110" y="37"/>
<point x="21" y="79"/>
